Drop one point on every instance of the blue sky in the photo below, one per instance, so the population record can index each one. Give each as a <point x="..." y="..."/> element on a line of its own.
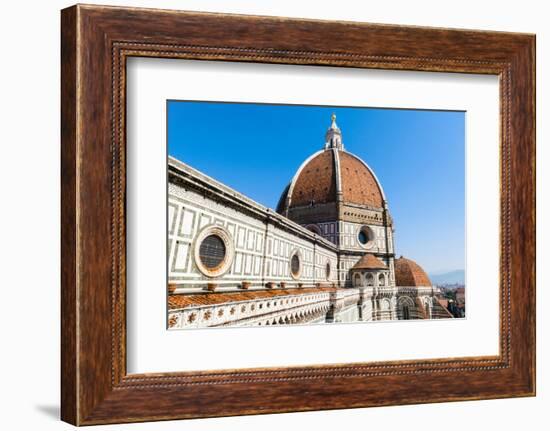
<point x="417" y="155"/>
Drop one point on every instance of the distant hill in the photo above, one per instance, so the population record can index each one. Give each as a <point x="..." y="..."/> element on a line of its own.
<point x="451" y="277"/>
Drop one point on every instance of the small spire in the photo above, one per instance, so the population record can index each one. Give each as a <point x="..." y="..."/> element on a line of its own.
<point x="333" y="137"/>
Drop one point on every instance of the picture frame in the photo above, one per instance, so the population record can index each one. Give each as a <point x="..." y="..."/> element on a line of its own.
<point x="96" y="42"/>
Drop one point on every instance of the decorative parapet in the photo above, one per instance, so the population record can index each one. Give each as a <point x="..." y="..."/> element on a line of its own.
<point x="237" y="312"/>
<point x="416" y="290"/>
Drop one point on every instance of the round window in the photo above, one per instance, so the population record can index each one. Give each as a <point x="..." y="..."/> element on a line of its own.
<point x="212" y="251"/>
<point x="295" y="265"/>
<point x="365" y="236"/>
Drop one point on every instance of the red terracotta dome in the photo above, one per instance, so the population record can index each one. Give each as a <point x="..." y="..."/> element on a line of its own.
<point x="409" y="273"/>
<point x="330" y="174"/>
<point x="359" y="185"/>
<point x="316" y="181"/>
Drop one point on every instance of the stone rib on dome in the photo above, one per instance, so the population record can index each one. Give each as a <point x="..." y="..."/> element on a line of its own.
<point x="409" y="273"/>
<point x="359" y="186"/>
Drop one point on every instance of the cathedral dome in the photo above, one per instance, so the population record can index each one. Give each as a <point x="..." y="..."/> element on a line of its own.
<point x="409" y="273"/>
<point x="332" y="175"/>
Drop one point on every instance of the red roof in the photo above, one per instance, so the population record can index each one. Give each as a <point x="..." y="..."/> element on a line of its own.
<point x="369" y="261"/>
<point x="409" y="273"/>
<point x="316" y="182"/>
<point x="183" y="300"/>
<point x="358" y="184"/>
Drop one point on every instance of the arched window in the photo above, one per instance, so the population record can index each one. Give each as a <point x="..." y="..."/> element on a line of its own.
<point x="370" y="280"/>
<point x="405" y="307"/>
<point x="381" y="280"/>
<point x="357" y="279"/>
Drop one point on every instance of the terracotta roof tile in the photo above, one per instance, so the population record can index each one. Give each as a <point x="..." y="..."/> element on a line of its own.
<point x="176" y="301"/>
<point x="358" y="184"/>
<point x="444" y="302"/>
<point x="316" y="182"/>
<point x="369" y="261"/>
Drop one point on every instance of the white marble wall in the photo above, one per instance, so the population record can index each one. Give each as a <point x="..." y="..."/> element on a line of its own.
<point x="346" y="235"/>
<point x="262" y="250"/>
<point x="349" y="238"/>
<point x="329" y="231"/>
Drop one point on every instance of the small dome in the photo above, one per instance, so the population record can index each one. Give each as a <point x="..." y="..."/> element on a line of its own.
<point x="369" y="261"/>
<point x="409" y="273"/>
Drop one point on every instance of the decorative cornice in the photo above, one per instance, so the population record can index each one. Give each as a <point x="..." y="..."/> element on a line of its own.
<point x="189" y="177"/>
